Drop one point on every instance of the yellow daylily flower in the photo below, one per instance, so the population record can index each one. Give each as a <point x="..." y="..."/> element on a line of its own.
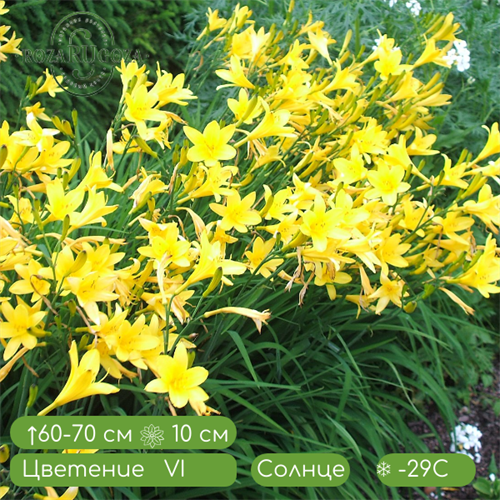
<point x="90" y="289"/>
<point x="352" y="170"/>
<point x="176" y="378"/>
<point x="211" y="259"/>
<point x="165" y="245"/>
<point x="389" y="63"/>
<point x="216" y="182"/>
<point x="7" y="367"/>
<point x="260" y="251"/>
<point x="321" y="224"/>
<point x="391" y="251"/>
<point x="421" y="144"/>
<point x="487" y="208"/>
<point x="128" y="71"/>
<point x="452" y="223"/>
<point x="432" y="54"/>
<point x="319" y="40"/>
<point x="287" y="228"/>
<point x="37" y="111"/>
<point x="214" y="22"/>
<point x="2" y="10"/>
<point x="34" y="280"/>
<point x="81" y="382"/>
<point x="447" y="28"/>
<point x="389" y="291"/>
<point x="415" y="215"/>
<point x="257" y="317"/>
<point x="96" y="175"/>
<point x="237" y="212"/>
<point x="484" y="273"/>
<point x="235" y="74"/>
<point x="492" y="145"/>
<point x="51" y="156"/>
<point x="93" y="211"/>
<point x="62" y="203"/>
<point x="51" y="85"/>
<point x="211" y="145"/>
<point x="273" y="124"/>
<point x="141" y="108"/>
<point x="277" y="206"/>
<point x="69" y="494"/>
<point x="20" y="326"/>
<point x="150" y="185"/>
<point x="170" y="89"/>
<point x="23" y="213"/>
<point x="129" y="341"/>
<point x="35" y="135"/>
<point x="244" y="108"/>
<point x="387" y="183"/>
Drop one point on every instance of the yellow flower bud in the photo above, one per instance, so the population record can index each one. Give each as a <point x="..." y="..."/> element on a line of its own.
<point x="4" y="453"/>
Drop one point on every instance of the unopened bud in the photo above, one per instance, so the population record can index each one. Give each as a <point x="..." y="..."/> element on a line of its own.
<point x="216" y="279"/>
<point x="33" y="393"/>
<point x="3" y="154"/>
<point x="410" y="307"/>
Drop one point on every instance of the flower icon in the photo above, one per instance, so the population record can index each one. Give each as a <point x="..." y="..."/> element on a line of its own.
<point x="152" y="436"/>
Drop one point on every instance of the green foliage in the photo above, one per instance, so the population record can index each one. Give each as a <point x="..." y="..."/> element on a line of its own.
<point x="313" y="381"/>
<point x="316" y="379"/>
<point x="475" y="91"/>
<point x="489" y="488"/>
<point x="150" y="27"/>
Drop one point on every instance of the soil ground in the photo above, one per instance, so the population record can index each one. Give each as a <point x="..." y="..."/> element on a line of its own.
<point x="478" y="414"/>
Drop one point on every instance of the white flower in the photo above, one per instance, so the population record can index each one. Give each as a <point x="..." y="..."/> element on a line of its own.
<point x="392" y="3"/>
<point x="414" y="6"/>
<point x="492" y="477"/>
<point x="459" y="55"/>
<point x="377" y="43"/>
<point x="450" y="57"/>
<point x="467" y="437"/>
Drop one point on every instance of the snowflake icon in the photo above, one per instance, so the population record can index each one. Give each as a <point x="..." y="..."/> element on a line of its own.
<point x="383" y="469"/>
<point x="152" y="436"/>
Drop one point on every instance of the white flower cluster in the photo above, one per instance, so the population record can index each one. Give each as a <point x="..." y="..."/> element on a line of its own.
<point x="377" y="43"/>
<point x="414" y="6"/>
<point x="466" y="440"/>
<point x="459" y="55"/>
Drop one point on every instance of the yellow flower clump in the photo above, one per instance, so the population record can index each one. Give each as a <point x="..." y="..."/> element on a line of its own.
<point x="315" y="175"/>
